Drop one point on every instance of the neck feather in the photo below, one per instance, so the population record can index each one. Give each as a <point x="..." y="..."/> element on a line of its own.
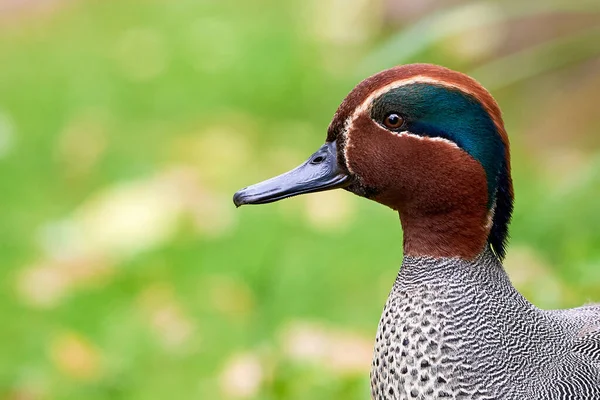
<point x="482" y="265"/>
<point x="455" y="234"/>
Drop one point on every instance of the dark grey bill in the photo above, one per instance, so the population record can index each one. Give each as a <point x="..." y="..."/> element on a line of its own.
<point x="320" y="172"/>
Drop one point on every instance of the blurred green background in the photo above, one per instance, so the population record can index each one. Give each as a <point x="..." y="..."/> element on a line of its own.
<point x="126" y="126"/>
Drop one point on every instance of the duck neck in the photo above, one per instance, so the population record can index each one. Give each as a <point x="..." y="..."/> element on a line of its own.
<point x="482" y="281"/>
<point x="485" y="270"/>
<point x="460" y="233"/>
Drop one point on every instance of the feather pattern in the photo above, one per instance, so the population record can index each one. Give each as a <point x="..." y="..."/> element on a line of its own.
<point x="458" y="329"/>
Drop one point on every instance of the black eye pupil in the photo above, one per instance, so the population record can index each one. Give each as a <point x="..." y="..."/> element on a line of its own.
<point x="393" y="121"/>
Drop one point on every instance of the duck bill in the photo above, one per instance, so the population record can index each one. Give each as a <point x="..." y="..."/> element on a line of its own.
<point x="320" y="172"/>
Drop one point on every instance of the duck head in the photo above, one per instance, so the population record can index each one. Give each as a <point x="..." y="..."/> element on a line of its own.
<point x="426" y="141"/>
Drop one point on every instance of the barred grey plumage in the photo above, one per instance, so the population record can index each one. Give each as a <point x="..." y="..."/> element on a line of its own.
<point x="456" y="329"/>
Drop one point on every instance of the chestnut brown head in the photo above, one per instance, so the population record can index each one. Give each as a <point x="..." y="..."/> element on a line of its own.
<point x="426" y="141"/>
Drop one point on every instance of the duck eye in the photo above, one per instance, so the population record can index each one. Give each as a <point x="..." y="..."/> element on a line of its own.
<point x="393" y="121"/>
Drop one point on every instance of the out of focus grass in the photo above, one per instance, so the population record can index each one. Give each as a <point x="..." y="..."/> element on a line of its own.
<point x="125" y="127"/>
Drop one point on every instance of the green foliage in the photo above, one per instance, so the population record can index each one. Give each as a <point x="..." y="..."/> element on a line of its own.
<point x="128" y="274"/>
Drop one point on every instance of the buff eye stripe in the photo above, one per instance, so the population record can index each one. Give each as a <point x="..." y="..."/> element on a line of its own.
<point x="425" y="138"/>
<point x="368" y="103"/>
<point x="346" y="138"/>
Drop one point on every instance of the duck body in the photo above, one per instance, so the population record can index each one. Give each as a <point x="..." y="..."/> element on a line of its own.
<point x="459" y="330"/>
<point x="430" y="143"/>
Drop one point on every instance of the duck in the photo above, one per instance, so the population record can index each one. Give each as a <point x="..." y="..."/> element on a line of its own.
<point x="430" y="143"/>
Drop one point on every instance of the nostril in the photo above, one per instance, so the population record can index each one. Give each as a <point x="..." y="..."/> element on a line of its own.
<point x="317" y="160"/>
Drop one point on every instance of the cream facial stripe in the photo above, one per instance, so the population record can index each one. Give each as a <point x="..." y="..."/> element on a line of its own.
<point x="347" y="144"/>
<point x="426" y="138"/>
<point x="366" y="105"/>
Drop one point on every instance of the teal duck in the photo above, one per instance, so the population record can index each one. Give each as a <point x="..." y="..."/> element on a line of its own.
<point x="430" y="143"/>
